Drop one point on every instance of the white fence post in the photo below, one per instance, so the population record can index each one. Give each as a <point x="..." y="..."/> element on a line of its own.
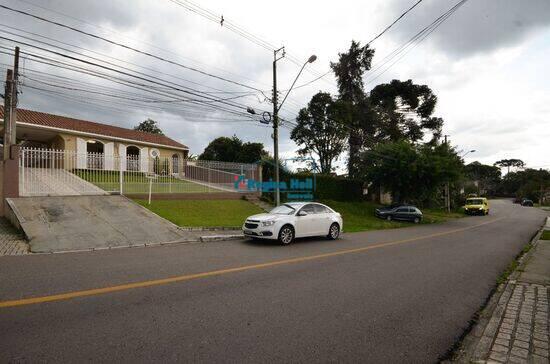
<point x="120" y="175"/>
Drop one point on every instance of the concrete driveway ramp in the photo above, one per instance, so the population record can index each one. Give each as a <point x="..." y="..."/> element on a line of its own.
<point x="85" y="222"/>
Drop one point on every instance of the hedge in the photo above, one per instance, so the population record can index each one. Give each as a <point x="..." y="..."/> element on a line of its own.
<point x="336" y="188"/>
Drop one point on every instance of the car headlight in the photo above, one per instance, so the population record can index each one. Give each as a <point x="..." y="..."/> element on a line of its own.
<point x="481" y="208"/>
<point x="268" y="223"/>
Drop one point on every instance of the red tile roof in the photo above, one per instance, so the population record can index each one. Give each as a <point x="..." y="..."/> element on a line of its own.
<point x="76" y="125"/>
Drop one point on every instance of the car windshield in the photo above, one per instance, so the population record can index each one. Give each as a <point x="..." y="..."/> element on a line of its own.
<point x="475" y="201"/>
<point x="283" y="210"/>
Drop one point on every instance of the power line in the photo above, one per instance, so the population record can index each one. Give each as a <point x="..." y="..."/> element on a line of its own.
<point x="394" y="22"/>
<point x="110" y="57"/>
<point x="211" y="16"/>
<point x="112" y="31"/>
<point x="398" y="50"/>
<point x="163" y="93"/>
<point x="126" y="47"/>
<point x="138" y="75"/>
<point x="412" y="43"/>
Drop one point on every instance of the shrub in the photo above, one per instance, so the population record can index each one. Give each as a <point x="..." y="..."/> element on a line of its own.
<point x="329" y="187"/>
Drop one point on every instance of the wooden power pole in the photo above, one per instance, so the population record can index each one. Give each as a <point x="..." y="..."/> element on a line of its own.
<point x="14" y="96"/>
<point x="8" y="134"/>
<point x="10" y="106"/>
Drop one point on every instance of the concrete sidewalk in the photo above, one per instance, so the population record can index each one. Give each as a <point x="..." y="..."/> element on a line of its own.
<point x="514" y="327"/>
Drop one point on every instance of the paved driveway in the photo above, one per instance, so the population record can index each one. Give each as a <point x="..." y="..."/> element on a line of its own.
<point x="381" y="296"/>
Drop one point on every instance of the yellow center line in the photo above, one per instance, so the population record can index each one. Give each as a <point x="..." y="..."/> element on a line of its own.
<point x="188" y="277"/>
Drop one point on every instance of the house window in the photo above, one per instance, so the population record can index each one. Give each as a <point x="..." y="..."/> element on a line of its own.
<point x="132" y="158"/>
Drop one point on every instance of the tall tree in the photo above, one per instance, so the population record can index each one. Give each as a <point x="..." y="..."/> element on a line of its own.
<point x="149" y="126"/>
<point x="517" y="163"/>
<point x="526" y="183"/>
<point x="349" y="72"/>
<point x="405" y="111"/>
<point x="318" y="132"/>
<point x="487" y="177"/>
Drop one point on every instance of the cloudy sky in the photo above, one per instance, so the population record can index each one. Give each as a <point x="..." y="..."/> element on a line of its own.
<point x="487" y="63"/>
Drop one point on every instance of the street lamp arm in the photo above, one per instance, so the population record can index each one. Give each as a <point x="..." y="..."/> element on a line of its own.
<point x="290" y="89"/>
<point x="310" y="60"/>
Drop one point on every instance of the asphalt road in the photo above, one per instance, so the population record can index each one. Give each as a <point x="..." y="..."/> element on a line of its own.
<point x="382" y="296"/>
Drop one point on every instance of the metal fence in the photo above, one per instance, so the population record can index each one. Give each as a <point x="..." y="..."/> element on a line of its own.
<point x="44" y="172"/>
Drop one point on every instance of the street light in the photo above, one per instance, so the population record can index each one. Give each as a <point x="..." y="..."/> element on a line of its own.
<point x="276" y="109"/>
<point x="468" y="152"/>
<point x="311" y="59"/>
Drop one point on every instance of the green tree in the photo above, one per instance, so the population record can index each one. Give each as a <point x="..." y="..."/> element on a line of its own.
<point x="349" y="71"/>
<point x="527" y="183"/>
<point x="507" y="163"/>
<point x="319" y="133"/>
<point x="233" y="149"/>
<point x="149" y="126"/>
<point x="251" y="152"/>
<point x="405" y="111"/>
<point x="486" y="177"/>
<point x="412" y="173"/>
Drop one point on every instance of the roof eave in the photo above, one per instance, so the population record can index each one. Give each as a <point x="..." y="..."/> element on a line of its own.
<point x="76" y="132"/>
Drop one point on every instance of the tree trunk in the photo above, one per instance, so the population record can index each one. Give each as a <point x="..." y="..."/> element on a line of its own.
<point x="353" y="160"/>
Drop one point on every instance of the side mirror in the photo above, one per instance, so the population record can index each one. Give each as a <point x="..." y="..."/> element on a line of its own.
<point x="302" y="213"/>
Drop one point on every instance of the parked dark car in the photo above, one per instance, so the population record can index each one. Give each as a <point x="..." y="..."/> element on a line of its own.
<point x="526" y="202"/>
<point x="404" y="213"/>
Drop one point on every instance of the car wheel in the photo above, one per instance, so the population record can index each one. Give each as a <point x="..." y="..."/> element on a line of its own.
<point x="334" y="231"/>
<point x="388" y="218"/>
<point x="416" y="220"/>
<point x="286" y="235"/>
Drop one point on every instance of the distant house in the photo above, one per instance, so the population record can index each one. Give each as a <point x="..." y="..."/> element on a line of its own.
<point x="84" y="138"/>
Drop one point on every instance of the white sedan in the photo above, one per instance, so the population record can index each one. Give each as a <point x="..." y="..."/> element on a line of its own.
<point x="294" y="220"/>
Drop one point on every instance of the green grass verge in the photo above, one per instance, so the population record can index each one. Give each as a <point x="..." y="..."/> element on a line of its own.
<point x="203" y="212"/>
<point x="359" y="216"/>
<point x="545" y="235"/>
<point x="137" y="182"/>
<point x="513" y="265"/>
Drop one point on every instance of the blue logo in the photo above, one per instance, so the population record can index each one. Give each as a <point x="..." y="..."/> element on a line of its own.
<point x="296" y="189"/>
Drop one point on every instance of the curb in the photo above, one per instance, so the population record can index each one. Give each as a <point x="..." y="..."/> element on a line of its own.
<point x="200" y="239"/>
<point x="208" y="228"/>
<point x="209" y="238"/>
<point x="474" y="347"/>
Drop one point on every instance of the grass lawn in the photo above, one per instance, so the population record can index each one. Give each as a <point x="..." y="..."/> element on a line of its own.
<point x="136" y="182"/>
<point x="359" y="216"/>
<point x="203" y="212"/>
<point x="545" y="235"/>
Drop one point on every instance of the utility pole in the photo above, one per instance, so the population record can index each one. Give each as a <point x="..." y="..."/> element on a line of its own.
<point x="276" y="125"/>
<point x="447" y="190"/>
<point x="275" y="116"/>
<point x="10" y="106"/>
<point x="8" y="140"/>
<point x="14" y="96"/>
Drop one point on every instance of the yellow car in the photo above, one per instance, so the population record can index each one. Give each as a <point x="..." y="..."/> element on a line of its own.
<point x="476" y="206"/>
